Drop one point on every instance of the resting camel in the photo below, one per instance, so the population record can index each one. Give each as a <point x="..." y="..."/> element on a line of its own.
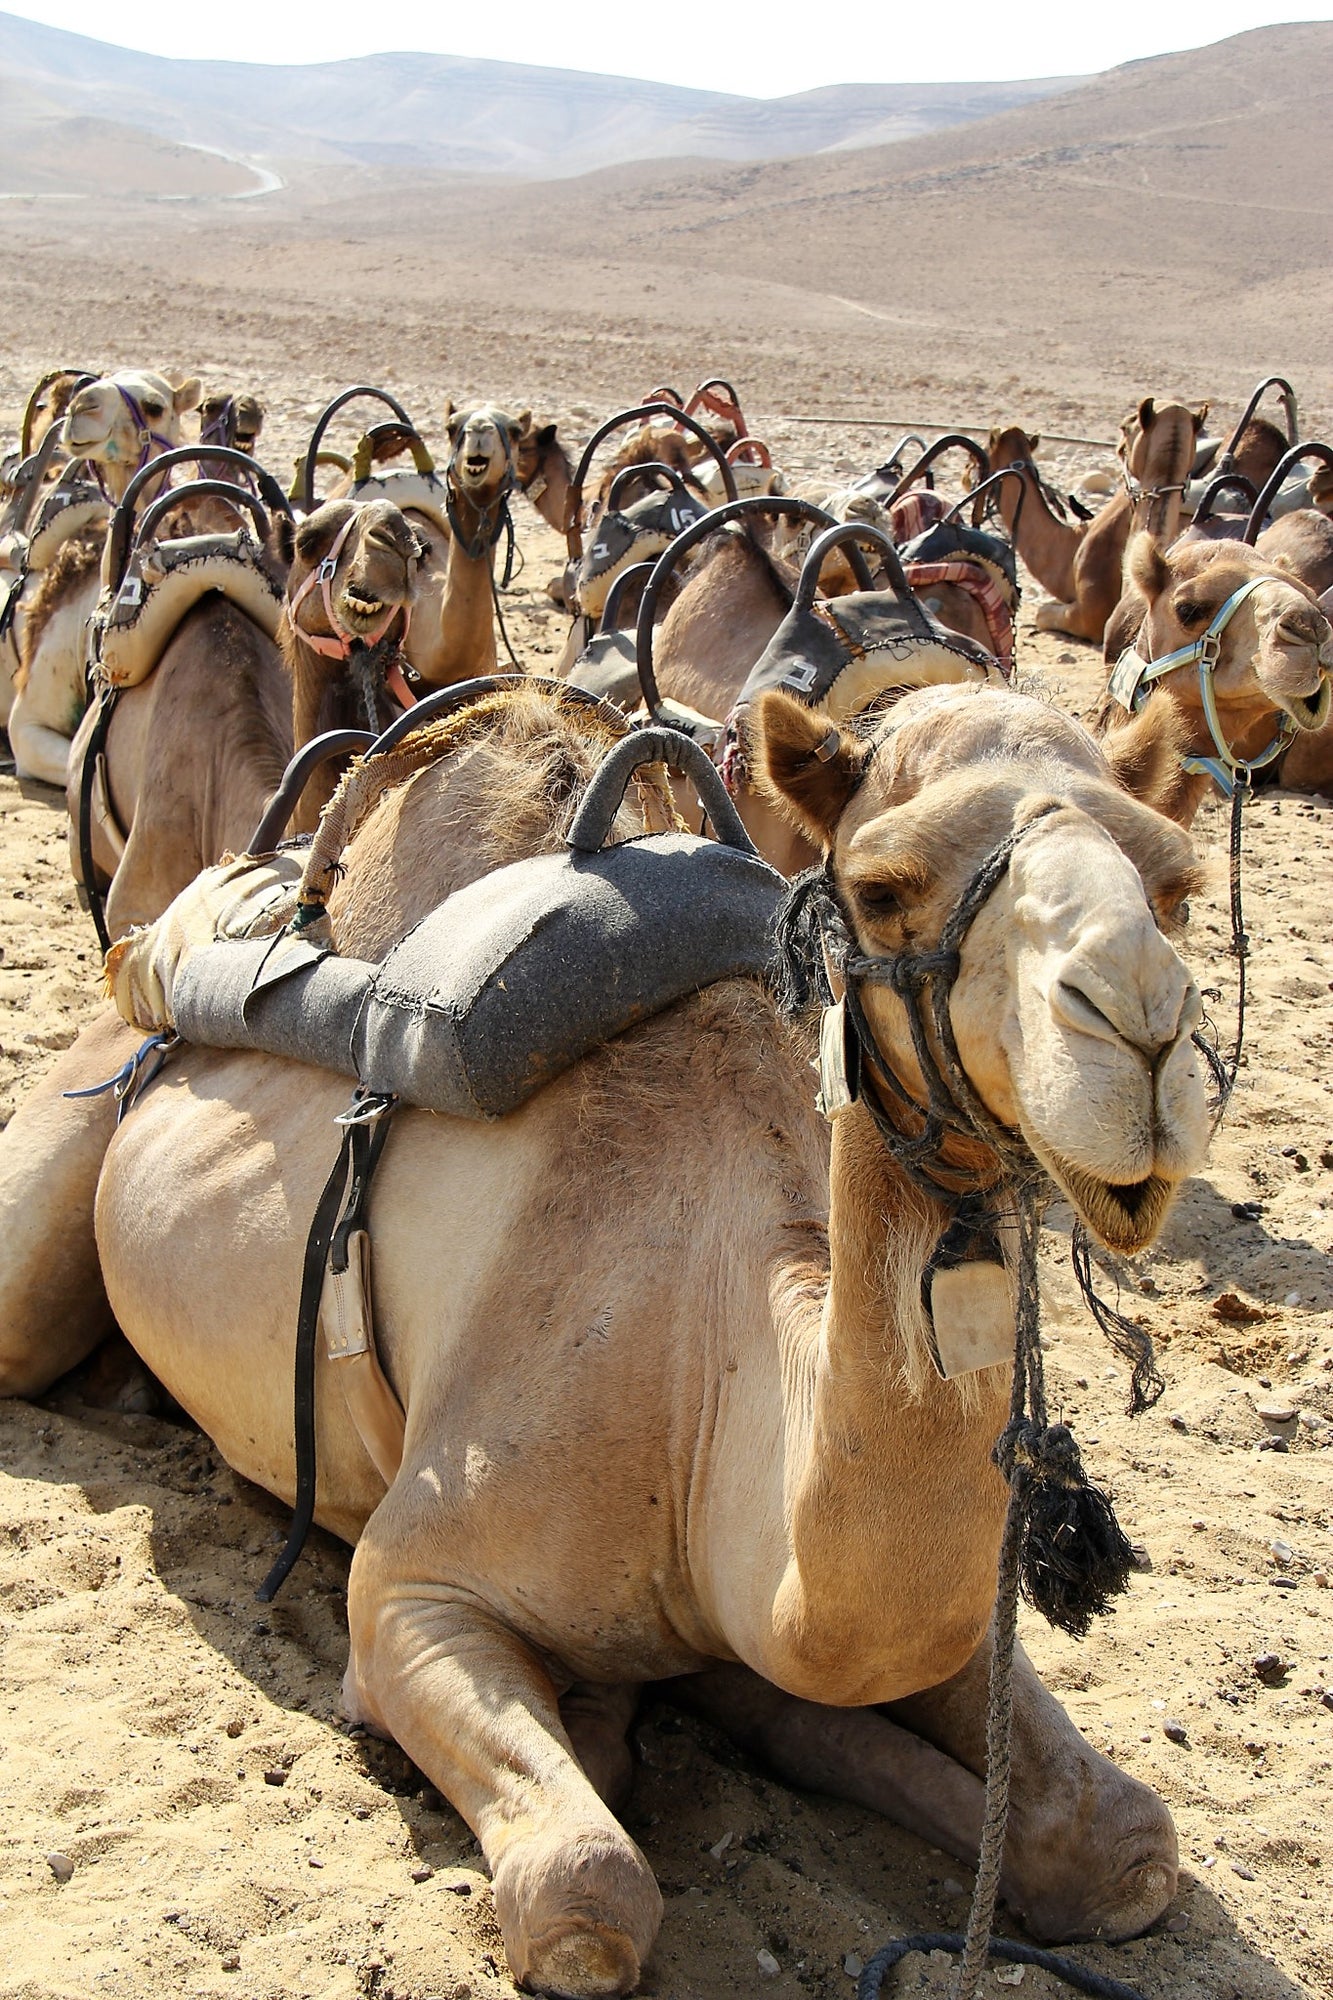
<point x="1275" y="653"/>
<point x="117" y="424"/>
<point x="1081" y="563"/>
<point x="752" y="1474"/>
<point x="194" y="752"/>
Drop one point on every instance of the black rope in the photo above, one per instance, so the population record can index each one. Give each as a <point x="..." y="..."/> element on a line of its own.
<point x="504" y="633"/>
<point x="1131" y="1342"/>
<point x="1240" y="943"/>
<point x="1080" y="1977"/>
<point x="93" y="749"/>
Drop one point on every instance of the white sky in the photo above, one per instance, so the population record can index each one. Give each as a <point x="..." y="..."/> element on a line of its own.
<point x="762" y="48"/>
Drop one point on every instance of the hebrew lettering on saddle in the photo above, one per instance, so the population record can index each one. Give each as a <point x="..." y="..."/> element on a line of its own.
<point x="634" y="534"/>
<point x="134" y="623"/>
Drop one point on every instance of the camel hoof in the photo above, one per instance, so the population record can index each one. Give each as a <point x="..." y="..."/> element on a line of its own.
<point x="579" y="1915"/>
<point x="1124" y="1908"/>
<point x="1052" y="617"/>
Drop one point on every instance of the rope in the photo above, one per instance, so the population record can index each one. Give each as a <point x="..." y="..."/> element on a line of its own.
<point x="1082" y="1979"/>
<point x="982" y="431"/>
<point x="500" y="621"/>
<point x="1240" y="944"/>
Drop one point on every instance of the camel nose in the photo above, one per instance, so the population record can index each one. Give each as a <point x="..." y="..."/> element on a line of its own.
<point x="1151" y="1009"/>
<point x="1302" y="626"/>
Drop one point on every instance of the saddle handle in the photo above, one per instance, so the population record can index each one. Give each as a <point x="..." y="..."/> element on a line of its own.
<point x="305" y="491"/>
<point x="785" y="504"/>
<point x="363" y="461"/>
<point x="122" y="522"/>
<point x="1225" y="482"/>
<point x="615" y="596"/>
<point x="602" y="801"/>
<point x="666" y="394"/>
<point x="851" y="535"/>
<point x="122" y="553"/>
<point x="29" y="478"/>
<point x="641" y="413"/>
<point x="951" y="441"/>
<point x="750" y="451"/>
<point x="82" y="377"/>
<point x="977" y="497"/>
<point x="1227" y="460"/>
<point x="1296" y="456"/>
<point x="628" y="473"/>
<point x="333" y="743"/>
<point x="720" y="400"/>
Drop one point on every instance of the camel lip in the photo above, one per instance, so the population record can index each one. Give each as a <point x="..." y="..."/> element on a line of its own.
<point x="1310" y="711"/>
<point x="1124" y="1215"/>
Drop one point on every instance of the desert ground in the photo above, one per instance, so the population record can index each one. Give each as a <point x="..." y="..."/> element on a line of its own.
<point x="176" y="1747"/>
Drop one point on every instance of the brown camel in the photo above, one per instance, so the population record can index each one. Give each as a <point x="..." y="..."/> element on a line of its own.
<point x="116" y="424"/>
<point x="194" y="752"/>
<point x="757" y="1464"/>
<point x="1081" y="563"/>
<point x="1275" y="654"/>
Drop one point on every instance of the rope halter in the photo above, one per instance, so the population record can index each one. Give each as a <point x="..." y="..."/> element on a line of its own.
<point x="338" y="644"/>
<point x="1134" y="678"/>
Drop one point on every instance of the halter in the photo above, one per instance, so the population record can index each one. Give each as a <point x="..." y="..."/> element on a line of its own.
<point x="493" y="521"/>
<point x="340" y="647"/>
<point x="148" y="437"/>
<point x="1134" y="678"/>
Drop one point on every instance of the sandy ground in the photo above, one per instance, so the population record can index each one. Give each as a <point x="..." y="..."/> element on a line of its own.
<point x="180" y="1746"/>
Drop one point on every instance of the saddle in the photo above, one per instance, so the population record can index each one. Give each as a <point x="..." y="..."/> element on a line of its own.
<point x="981" y="564"/>
<point x="624" y="537"/>
<point x="133" y="623"/>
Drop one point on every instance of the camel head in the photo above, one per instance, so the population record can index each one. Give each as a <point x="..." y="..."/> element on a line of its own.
<point x="375" y="552"/>
<point x="482" y="446"/>
<point x="121" y="421"/>
<point x="1072" y="1010"/>
<point x="1276" y="650"/>
<point x="1005" y="446"/>
<point x="231" y="420"/>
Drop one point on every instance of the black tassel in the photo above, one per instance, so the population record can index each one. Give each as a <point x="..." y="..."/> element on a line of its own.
<point x="1076" y="1556"/>
<point x="807" y="914"/>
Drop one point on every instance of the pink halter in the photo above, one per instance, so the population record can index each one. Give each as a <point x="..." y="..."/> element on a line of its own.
<point x="338" y="648"/>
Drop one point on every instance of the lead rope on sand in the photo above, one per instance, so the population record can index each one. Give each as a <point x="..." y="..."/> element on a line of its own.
<point x="1041" y="1464"/>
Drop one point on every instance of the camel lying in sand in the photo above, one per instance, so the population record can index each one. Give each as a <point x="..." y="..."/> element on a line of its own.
<point x="748" y="1465"/>
<point x="1273" y="665"/>
<point x="194" y="752"/>
<point x="1081" y="563"/>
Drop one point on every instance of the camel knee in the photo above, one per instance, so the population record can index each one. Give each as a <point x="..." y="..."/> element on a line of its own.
<point x="39" y="752"/>
<point x="579" y="1911"/>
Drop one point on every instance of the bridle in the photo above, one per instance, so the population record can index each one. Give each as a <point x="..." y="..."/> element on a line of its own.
<point x="1134" y="679"/>
<point x="147" y="436"/>
<point x="338" y="645"/>
<point x="492" y="521"/>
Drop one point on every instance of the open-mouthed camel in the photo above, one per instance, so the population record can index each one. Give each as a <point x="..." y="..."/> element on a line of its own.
<point x="116" y="424"/>
<point x="1274" y="653"/>
<point x="755" y="1465"/>
<point x="1081" y="563"/>
<point x="194" y="752"/>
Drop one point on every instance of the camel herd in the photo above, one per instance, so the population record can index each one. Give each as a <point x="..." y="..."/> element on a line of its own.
<point x="665" y="1292"/>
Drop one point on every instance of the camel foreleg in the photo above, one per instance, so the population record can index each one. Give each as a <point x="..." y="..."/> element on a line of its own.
<point x="471" y="1703"/>
<point x="39" y="751"/>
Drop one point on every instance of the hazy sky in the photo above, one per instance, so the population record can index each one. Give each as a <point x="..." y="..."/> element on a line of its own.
<point x="759" y="49"/>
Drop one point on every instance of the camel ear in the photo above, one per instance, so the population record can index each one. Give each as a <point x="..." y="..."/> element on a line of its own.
<point x="520" y="426"/>
<point x="282" y="539"/>
<point x="1200" y="417"/>
<point x="545" y="437"/>
<point x="1147" y="411"/>
<point x="806" y="765"/>
<point x="1145" y="755"/>
<point x="187" y="395"/>
<point x="1033" y="441"/>
<point x="1147" y="568"/>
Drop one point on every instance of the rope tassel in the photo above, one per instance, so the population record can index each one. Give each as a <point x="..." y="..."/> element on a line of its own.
<point x="1075" y="1555"/>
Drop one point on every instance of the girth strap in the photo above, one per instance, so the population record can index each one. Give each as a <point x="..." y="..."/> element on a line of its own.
<point x="339" y="1212"/>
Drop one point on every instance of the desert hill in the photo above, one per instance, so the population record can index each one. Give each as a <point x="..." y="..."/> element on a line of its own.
<point x="408" y="112"/>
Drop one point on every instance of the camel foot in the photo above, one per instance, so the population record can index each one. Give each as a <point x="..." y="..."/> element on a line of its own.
<point x="1108" y="1876"/>
<point x="578" y="1914"/>
<point x="116" y="1379"/>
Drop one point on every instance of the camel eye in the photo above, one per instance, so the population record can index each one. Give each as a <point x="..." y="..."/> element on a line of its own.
<point x="879" y="901"/>
<point x="1191" y="613"/>
<point x="153" y="409"/>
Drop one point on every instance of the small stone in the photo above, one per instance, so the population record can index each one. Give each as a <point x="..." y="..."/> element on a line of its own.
<point x="1327" y="1698"/>
<point x="1110" y="1374"/>
<point x="1198" y="1524"/>
<point x="1177" y="1423"/>
<point x="1180" y="1922"/>
<point x="1209" y="1861"/>
<point x="853" y="1965"/>
<point x="1270" y="1668"/>
<point x="276" y="1777"/>
<point x="768" y="1965"/>
<point x="1230" y="1306"/>
<point x="313" y="1861"/>
<point x="1321" y="1579"/>
<point x="1276" y="1412"/>
<point x="232" y="1962"/>
<point x="953" y="1888"/>
<point x="459" y="1888"/>
<point x="1282" y="1551"/>
<point x="61" y="1866"/>
<point x="234" y="1729"/>
<point x="1009" y="1975"/>
<point x="1247" y="1211"/>
<point x="423" y="1873"/>
<point x="1175" y="1732"/>
<point x="1239" y="1868"/>
<point x="1292" y="1299"/>
<point x="719" y="1848"/>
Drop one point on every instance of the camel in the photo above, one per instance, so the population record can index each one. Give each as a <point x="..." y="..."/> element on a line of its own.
<point x="115" y="424"/>
<point x="194" y="752"/>
<point x="1275" y="655"/>
<point x="1081" y="563"/>
<point x="753" y="1471"/>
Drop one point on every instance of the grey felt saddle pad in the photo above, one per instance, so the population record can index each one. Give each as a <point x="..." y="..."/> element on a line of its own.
<point x="506" y="983"/>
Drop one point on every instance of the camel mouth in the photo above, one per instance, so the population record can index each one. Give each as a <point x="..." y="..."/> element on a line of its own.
<point x="476" y="465"/>
<point x="1310" y="711"/>
<point x="359" y="604"/>
<point x="1124" y="1215"/>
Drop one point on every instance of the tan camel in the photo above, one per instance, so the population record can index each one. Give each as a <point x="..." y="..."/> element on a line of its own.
<point x="754" y="1463"/>
<point x="1081" y="564"/>
<point x="1275" y="653"/>
<point x="544" y="473"/>
<point x="194" y="752"/>
<point x="117" y="424"/>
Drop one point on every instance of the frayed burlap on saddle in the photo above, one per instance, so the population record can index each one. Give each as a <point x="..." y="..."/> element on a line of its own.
<point x="412" y="492"/>
<point x="132" y="627"/>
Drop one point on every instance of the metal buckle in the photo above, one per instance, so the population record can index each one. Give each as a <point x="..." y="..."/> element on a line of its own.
<point x="367" y="1108"/>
